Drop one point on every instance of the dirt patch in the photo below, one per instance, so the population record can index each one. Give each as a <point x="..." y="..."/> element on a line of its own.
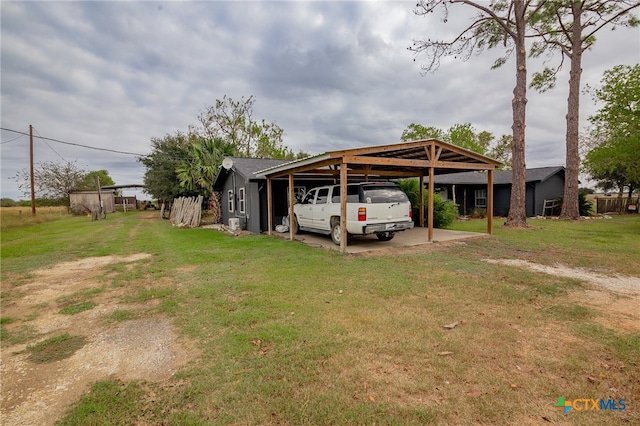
<point x="139" y="349"/>
<point x="616" y="297"/>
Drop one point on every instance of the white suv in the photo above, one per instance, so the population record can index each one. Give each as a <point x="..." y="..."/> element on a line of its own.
<point x="379" y="208"/>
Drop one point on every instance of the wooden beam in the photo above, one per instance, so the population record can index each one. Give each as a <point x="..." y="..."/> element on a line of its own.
<point x="386" y="161"/>
<point x="343" y="207"/>
<point x="431" y="191"/>
<point x="270" y="206"/>
<point x="291" y="201"/>
<point x="467" y="153"/>
<point x="305" y="168"/>
<point x="379" y="149"/>
<point x="490" y="202"/>
<point x="386" y="173"/>
<point x="462" y="165"/>
<point x="421" y="206"/>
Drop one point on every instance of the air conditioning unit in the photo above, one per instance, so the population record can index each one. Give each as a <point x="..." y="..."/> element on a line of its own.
<point x="234" y="223"/>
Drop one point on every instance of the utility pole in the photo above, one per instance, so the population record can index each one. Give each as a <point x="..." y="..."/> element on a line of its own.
<point x="100" y="208"/>
<point x="33" y="192"/>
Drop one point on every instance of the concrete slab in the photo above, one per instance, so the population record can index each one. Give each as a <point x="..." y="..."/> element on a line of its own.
<point x="362" y="244"/>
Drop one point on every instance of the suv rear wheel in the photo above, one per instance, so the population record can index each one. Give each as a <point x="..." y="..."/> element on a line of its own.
<point x="336" y="233"/>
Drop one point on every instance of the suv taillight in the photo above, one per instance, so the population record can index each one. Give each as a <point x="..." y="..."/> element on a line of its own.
<point x="362" y="214"/>
<point x="410" y="212"/>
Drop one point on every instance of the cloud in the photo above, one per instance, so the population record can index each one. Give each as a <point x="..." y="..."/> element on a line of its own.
<point x="333" y="75"/>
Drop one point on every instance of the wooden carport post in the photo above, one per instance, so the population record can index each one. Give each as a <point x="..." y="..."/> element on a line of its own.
<point x="269" y="206"/>
<point x="343" y="206"/>
<point x="421" y="204"/>
<point x="490" y="201"/>
<point x="432" y="159"/>
<point x="292" y="218"/>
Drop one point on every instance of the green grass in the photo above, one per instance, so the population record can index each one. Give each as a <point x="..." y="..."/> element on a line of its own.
<point x="607" y="244"/>
<point x="55" y="348"/>
<point x="291" y="334"/>
<point x="77" y="308"/>
<point x="122" y="315"/>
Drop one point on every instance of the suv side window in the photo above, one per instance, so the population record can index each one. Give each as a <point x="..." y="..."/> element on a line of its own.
<point x="308" y="199"/>
<point x="383" y="194"/>
<point x="352" y="194"/>
<point x="323" y="195"/>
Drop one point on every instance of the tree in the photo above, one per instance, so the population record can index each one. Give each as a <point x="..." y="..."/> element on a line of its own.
<point x="161" y="176"/>
<point x="198" y="172"/>
<point x="501" y="151"/>
<point x="233" y="122"/>
<point x="51" y="180"/>
<point x="464" y="136"/>
<point x="416" y="132"/>
<point x="89" y="181"/>
<point x="499" y="22"/>
<point x="570" y="26"/>
<point x="614" y="138"/>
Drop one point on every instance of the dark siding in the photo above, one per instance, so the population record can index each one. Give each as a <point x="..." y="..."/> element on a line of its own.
<point x="530" y="200"/>
<point x="234" y="184"/>
<point x="253" y="208"/>
<point x="501" y="200"/>
<point x="550" y="189"/>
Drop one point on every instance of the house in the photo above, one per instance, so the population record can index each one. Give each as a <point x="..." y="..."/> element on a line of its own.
<point x="88" y="200"/>
<point x="244" y="194"/>
<point x="468" y="189"/>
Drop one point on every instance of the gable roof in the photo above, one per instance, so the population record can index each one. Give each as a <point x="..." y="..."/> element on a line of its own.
<point x="405" y="159"/>
<point x="247" y="167"/>
<point x="539" y="174"/>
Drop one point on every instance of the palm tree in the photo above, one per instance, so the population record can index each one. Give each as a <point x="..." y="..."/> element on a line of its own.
<point x="205" y="156"/>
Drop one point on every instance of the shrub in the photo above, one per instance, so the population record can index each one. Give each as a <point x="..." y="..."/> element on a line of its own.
<point x="585" y="207"/>
<point x="7" y="202"/>
<point x="444" y="211"/>
<point x="478" y="213"/>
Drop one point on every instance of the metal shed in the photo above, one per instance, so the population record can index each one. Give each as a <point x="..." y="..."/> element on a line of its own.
<point x="89" y="200"/>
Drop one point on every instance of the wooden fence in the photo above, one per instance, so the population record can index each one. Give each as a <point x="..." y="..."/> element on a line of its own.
<point x="617" y="204"/>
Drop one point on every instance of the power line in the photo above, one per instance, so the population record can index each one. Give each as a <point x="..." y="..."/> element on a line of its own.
<point x="14" y="139"/>
<point x="186" y="160"/>
<point x="46" y="143"/>
<point x="78" y="144"/>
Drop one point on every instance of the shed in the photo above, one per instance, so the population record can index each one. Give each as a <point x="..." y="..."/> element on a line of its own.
<point x="88" y="200"/>
<point x="468" y="189"/>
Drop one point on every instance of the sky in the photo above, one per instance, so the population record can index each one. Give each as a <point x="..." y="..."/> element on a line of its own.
<point x="333" y="75"/>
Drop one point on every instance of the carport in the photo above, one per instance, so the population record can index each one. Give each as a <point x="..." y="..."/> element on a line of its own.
<point x="424" y="158"/>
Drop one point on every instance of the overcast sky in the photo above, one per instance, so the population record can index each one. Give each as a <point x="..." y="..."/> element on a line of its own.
<point x="333" y="75"/>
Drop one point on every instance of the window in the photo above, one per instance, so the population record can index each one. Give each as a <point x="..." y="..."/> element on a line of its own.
<point x="323" y="195"/>
<point x="298" y="193"/>
<point x="308" y="199"/>
<point x="230" y="201"/>
<point x="353" y="194"/>
<point x="481" y="198"/>
<point x="384" y="194"/>
<point x="241" y="200"/>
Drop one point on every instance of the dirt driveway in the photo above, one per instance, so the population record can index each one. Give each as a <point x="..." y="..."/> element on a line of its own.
<point x="40" y="393"/>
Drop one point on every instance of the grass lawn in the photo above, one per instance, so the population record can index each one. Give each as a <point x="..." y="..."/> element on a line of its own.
<point x="290" y="334"/>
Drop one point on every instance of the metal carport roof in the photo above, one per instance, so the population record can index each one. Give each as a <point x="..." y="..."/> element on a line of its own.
<point x="402" y="160"/>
